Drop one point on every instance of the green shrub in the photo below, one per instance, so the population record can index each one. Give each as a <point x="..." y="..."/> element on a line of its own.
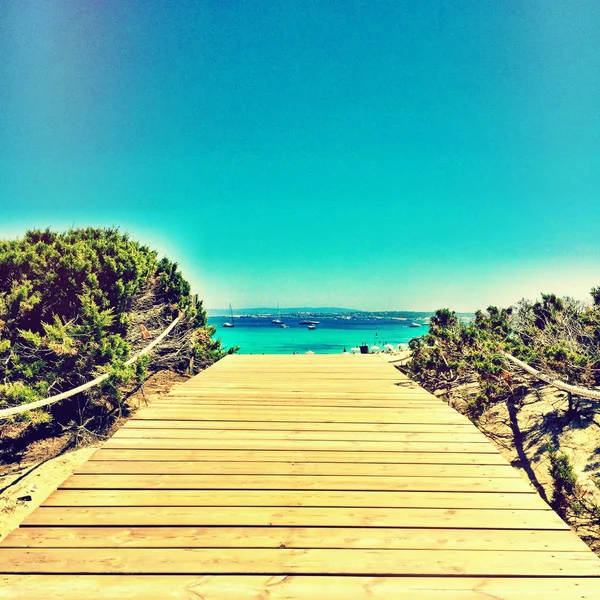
<point x="66" y="302"/>
<point x="565" y="481"/>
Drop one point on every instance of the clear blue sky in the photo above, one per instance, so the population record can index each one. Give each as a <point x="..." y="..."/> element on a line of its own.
<point x="370" y="154"/>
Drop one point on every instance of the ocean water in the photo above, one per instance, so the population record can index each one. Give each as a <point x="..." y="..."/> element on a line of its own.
<point x="257" y="335"/>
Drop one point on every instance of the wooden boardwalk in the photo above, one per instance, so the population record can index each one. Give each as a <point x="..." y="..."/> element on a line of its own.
<point x="297" y="477"/>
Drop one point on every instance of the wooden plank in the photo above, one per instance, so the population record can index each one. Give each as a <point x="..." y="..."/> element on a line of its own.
<point x="393" y="391"/>
<point x="284" y="372"/>
<point x="290" y="468"/>
<point x="225" y="434"/>
<point x="320" y="398"/>
<point x="297" y="587"/>
<point x="315" y="390"/>
<point x="341" y="387"/>
<point x="270" y="399"/>
<point x="389" y="499"/>
<point x="295" y="382"/>
<point x="292" y="384"/>
<point x="297" y="482"/>
<point x="298" y="517"/>
<point x="274" y="370"/>
<point x="334" y="376"/>
<point x="289" y="414"/>
<point x="333" y="446"/>
<point x="212" y="402"/>
<point x="168" y="455"/>
<point x="289" y="378"/>
<point x="300" y="561"/>
<point x="437" y="413"/>
<point x="338" y="378"/>
<point x="294" y="378"/>
<point x="143" y="423"/>
<point x="399" y="393"/>
<point x="319" y="364"/>
<point x="272" y="404"/>
<point x="295" y="537"/>
<point x="314" y="387"/>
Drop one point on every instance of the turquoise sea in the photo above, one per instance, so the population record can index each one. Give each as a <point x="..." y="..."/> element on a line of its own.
<point x="258" y="335"/>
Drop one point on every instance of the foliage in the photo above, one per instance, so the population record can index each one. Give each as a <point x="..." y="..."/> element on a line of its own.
<point x="559" y="336"/>
<point x="69" y="311"/>
<point x="570" y="500"/>
<point x="565" y="480"/>
<point x="454" y="352"/>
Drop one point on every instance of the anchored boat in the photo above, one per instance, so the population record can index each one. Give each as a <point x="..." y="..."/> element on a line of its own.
<point x="227" y="323"/>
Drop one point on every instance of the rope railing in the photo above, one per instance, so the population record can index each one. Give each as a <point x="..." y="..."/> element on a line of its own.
<point x="561" y="385"/>
<point x="15" y="410"/>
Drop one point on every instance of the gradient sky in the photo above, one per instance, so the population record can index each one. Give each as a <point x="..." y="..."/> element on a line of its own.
<point x="368" y="154"/>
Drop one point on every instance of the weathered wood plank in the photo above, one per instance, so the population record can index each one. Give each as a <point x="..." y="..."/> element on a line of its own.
<point x="366" y="395"/>
<point x="223" y="434"/>
<point x="139" y="423"/>
<point x="291" y="414"/>
<point x="285" y="561"/>
<point x="211" y="403"/>
<point x="319" y="445"/>
<point x="291" y="468"/>
<point x="313" y="456"/>
<point x="295" y="537"/>
<point x="297" y="587"/>
<point x="298" y="517"/>
<point x="389" y="499"/>
<point x="297" y="482"/>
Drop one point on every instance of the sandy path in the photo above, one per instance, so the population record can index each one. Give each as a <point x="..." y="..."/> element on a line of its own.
<point x="38" y="485"/>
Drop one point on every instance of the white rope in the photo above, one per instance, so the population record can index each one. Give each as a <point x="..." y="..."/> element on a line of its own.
<point x="561" y="385"/>
<point x="15" y="410"/>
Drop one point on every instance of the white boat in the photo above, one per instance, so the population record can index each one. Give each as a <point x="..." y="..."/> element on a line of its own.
<point x="284" y="326"/>
<point x="312" y="326"/>
<point x="227" y="323"/>
<point x="278" y="320"/>
<point x="415" y="325"/>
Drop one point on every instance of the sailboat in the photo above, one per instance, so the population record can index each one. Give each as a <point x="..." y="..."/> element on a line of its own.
<point x="227" y="323"/>
<point x="278" y="320"/>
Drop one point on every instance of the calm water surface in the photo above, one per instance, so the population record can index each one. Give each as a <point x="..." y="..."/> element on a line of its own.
<point x="257" y="335"/>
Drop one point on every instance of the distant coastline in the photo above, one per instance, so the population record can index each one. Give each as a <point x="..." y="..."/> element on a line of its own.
<point x="327" y="311"/>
